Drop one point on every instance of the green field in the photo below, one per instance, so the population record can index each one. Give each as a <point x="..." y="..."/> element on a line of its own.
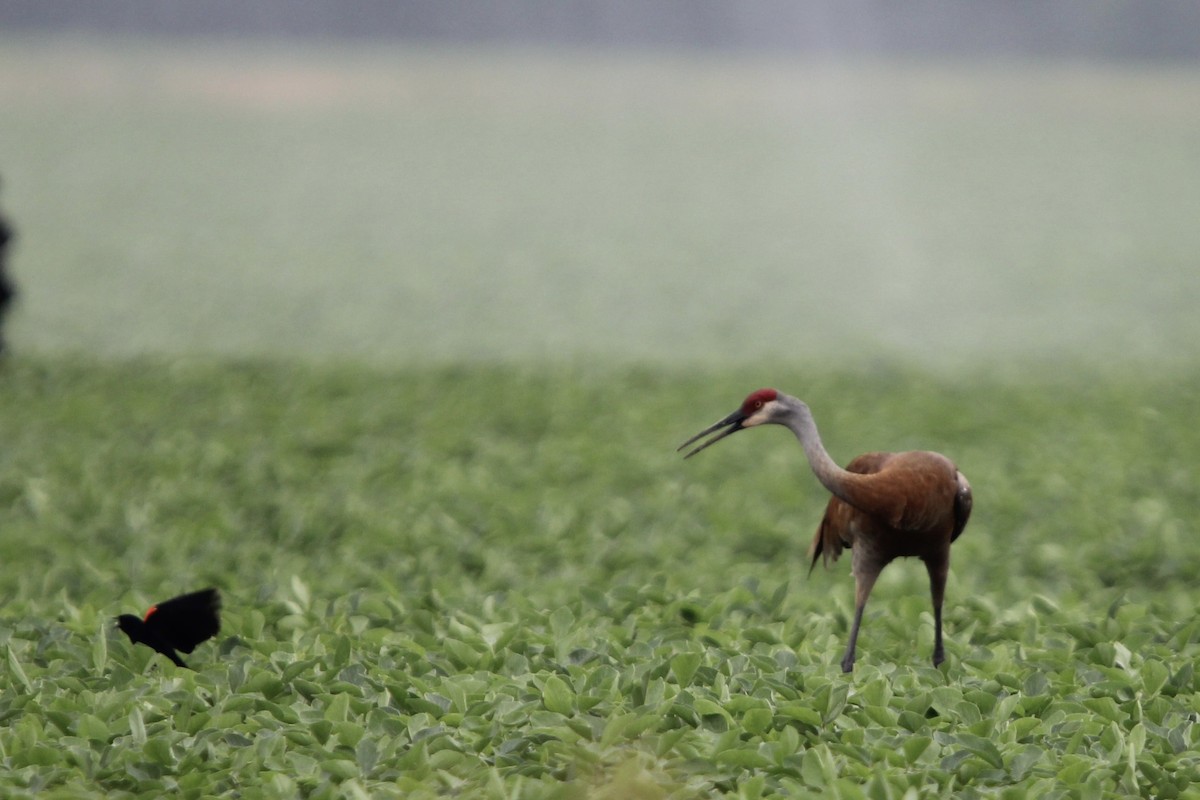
<point x="395" y="347"/>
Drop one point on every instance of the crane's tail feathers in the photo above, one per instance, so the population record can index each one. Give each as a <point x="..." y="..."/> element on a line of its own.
<point x="814" y="552"/>
<point x="826" y="545"/>
<point x="963" y="501"/>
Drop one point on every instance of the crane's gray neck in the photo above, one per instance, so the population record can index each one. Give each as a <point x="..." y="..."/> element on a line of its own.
<point x="799" y="421"/>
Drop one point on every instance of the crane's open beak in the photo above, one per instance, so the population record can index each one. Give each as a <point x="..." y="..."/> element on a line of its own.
<point x="733" y="424"/>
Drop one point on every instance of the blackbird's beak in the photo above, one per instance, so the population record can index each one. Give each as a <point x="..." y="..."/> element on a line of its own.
<point x="732" y="424"/>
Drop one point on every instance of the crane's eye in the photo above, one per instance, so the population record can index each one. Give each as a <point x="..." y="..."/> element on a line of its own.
<point x="757" y="404"/>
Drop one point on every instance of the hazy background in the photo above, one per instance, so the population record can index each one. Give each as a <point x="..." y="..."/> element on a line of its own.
<point x="1020" y="28"/>
<point x="939" y="183"/>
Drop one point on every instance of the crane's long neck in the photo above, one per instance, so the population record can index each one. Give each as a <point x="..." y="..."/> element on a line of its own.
<point x="800" y="421"/>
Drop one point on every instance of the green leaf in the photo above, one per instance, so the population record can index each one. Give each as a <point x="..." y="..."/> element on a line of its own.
<point x="353" y="790"/>
<point x="280" y="786"/>
<point x="757" y="720"/>
<point x="1044" y="605"/>
<point x="911" y="721"/>
<point x="254" y="622"/>
<point x="296" y="668"/>
<point x="158" y="750"/>
<point x="1023" y="760"/>
<point x="137" y="726"/>
<point x="1136" y="741"/>
<point x="557" y="696"/>
<point x="321" y="730"/>
<point x="301" y="593"/>
<point x="338" y="709"/>
<point x="562" y="623"/>
<point x="914" y="746"/>
<point x="684" y="667"/>
<point x="463" y="654"/>
<point x="800" y="713"/>
<point x="1107" y="708"/>
<point x="349" y="733"/>
<point x="875" y="693"/>
<point x="706" y="707"/>
<point x="753" y="788"/>
<point x="984" y="748"/>
<point x="15" y="669"/>
<point x="760" y="634"/>
<point x="834" y="696"/>
<point x="788" y="743"/>
<point x="1036" y="684"/>
<point x="92" y="727"/>
<point x="614" y="729"/>
<point x="816" y="767"/>
<point x="100" y="648"/>
<point x="1154" y="676"/>
<point x="343" y="650"/>
<point x="446" y="759"/>
<point x="1004" y="709"/>
<point x="743" y="757"/>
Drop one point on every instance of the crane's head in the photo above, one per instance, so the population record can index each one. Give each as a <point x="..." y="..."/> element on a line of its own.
<point x="757" y="408"/>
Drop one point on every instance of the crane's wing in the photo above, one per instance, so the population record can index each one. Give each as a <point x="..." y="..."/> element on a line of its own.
<point x="836" y="531"/>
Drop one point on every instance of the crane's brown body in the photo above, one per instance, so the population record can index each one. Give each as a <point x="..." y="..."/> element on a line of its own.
<point x="889" y="506"/>
<point x="908" y="497"/>
<point x="884" y="506"/>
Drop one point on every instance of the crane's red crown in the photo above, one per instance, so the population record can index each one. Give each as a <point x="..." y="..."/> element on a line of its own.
<point x="756" y="400"/>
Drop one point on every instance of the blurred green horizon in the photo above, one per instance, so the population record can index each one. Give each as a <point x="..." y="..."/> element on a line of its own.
<point x="412" y="204"/>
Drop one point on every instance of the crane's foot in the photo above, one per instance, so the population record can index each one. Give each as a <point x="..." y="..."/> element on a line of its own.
<point x="848" y="664"/>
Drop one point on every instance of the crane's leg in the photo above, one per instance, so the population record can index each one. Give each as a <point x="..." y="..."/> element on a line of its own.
<point x="864" y="581"/>
<point x="938" y="570"/>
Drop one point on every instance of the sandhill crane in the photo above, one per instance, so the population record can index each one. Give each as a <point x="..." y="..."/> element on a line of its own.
<point x="884" y="505"/>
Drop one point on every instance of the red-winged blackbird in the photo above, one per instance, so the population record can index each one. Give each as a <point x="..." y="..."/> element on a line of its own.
<point x="180" y="623"/>
<point x="7" y="291"/>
